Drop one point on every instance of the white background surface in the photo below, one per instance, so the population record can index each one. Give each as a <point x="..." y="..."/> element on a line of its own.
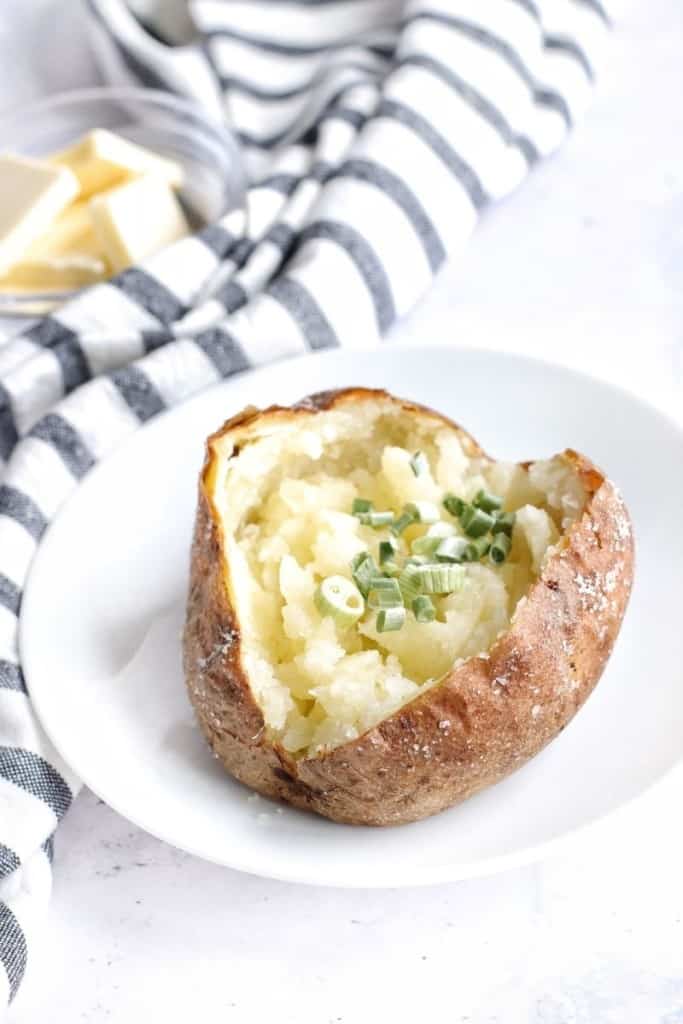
<point x="585" y="266"/>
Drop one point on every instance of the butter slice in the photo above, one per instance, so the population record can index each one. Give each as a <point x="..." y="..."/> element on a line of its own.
<point x="135" y="220"/>
<point x="102" y="159"/>
<point x="71" y="231"/>
<point x="66" y="256"/>
<point x="32" y="195"/>
<point x="54" y="273"/>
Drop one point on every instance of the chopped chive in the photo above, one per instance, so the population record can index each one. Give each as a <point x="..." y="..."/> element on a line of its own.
<point x="466" y="514"/>
<point x="440" y="578"/>
<point x="363" y="570"/>
<point x="385" y="597"/>
<point x="390" y="619"/>
<point x="451" y="549"/>
<point x="423" y="609"/>
<point x="338" y="599"/>
<point x="500" y="548"/>
<point x="408" y="581"/>
<point x="487" y="501"/>
<point x="383" y="583"/>
<point x="402" y="523"/>
<point x="476" y="549"/>
<point x="419" y="463"/>
<point x="478" y="523"/>
<point x="453" y="504"/>
<point x="422" y="511"/>
<point x="504" y="523"/>
<point x="376" y="519"/>
<point x="387" y="550"/>
<point x="425" y="545"/>
<point x="417" y="559"/>
<point x="359" y="558"/>
<point x="361" y="506"/>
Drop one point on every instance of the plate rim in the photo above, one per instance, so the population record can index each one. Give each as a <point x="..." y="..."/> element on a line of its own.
<point x="444" y="872"/>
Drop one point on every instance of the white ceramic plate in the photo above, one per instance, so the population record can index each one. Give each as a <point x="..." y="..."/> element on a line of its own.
<point x="102" y="613"/>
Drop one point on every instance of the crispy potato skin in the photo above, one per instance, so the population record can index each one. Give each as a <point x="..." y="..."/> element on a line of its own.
<point x="487" y="717"/>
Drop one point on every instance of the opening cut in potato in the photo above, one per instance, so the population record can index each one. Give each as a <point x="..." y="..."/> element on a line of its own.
<point x="285" y="498"/>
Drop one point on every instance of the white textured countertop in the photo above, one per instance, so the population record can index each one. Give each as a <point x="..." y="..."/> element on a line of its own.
<point x="583" y="266"/>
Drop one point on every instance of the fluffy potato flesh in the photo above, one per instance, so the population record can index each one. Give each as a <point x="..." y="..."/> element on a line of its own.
<point x="284" y="502"/>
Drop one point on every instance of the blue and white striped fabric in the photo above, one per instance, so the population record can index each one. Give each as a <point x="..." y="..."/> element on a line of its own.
<point x="375" y="131"/>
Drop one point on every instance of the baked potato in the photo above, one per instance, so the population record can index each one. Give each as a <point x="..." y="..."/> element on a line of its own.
<point x="442" y="655"/>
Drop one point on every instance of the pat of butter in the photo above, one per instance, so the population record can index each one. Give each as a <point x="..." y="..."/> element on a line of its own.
<point x="66" y="256"/>
<point x="54" y="273"/>
<point x="102" y="159"/>
<point x="32" y="195"/>
<point x="135" y="220"/>
<point x="71" y="231"/>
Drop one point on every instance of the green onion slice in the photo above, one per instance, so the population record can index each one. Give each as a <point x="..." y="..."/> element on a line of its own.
<point x="487" y="501"/>
<point x="453" y="504"/>
<point x="359" y="558"/>
<point x="387" y="550"/>
<point x="337" y="598"/>
<point x="360" y="506"/>
<point x="440" y="578"/>
<point x="402" y="523"/>
<point x="423" y="609"/>
<point x="419" y="463"/>
<point x="476" y="549"/>
<point x="505" y="522"/>
<point x="385" y="597"/>
<point x="478" y="523"/>
<point x="466" y="514"/>
<point x="425" y="545"/>
<point x="451" y="549"/>
<point x="363" y="570"/>
<point x="390" y="619"/>
<point x="376" y="520"/>
<point x="408" y="581"/>
<point x="422" y="511"/>
<point x="383" y="583"/>
<point x="500" y="548"/>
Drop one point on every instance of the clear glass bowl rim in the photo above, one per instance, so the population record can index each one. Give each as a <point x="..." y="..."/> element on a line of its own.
<point x="132" y="94"/>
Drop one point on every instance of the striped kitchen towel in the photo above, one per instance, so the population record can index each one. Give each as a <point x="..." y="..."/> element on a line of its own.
<point x="374" y="131"/>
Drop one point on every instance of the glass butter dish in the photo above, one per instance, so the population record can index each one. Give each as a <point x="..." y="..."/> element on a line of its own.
<point x="209" y="181"/>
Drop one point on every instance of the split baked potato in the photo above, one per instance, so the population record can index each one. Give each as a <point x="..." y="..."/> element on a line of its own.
<point x="352" y="651"/>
